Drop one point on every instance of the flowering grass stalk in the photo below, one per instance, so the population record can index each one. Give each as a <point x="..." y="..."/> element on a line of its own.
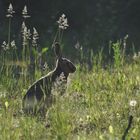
<point x="9" y="15"/>
<point x="62" y="25"/>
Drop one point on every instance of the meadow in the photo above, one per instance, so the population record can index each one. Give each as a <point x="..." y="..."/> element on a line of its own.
<point x="99" y="104"/>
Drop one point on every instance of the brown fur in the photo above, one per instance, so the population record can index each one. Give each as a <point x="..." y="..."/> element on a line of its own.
<point x="38" y="96"/>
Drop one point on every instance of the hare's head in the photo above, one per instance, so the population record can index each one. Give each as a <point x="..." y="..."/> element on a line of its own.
<point x="63" y="64"/>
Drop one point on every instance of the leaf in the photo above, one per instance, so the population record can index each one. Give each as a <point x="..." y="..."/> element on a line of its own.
<point x="6" y="104"/>
<point x="35" y="52"/>
<point x="44" y="50"/>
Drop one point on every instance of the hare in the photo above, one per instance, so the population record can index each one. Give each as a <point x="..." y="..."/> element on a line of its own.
<point x="39" y="95"/>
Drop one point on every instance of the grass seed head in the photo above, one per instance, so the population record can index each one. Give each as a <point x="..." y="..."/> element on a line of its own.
<point x="63" y="22"/>
<point x="133" y="103"/>
<point x="13" y="44"/>
<point x="25" y="12"/>
<point x="10" y="11"/>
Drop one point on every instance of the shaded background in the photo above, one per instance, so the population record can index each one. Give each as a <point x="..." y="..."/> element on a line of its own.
<point x="92" y="22"/>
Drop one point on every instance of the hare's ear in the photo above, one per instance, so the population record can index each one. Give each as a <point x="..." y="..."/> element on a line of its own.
<point x="57" y="50"/>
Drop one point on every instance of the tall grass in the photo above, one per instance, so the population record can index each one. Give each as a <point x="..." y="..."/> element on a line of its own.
<point x="97" y="103"/>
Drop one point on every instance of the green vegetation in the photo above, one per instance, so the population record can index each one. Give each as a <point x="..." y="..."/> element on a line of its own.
<point x="95" y="106"/>
<point x="97" y="103"/>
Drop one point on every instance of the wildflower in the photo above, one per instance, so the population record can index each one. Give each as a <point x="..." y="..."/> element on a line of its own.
<point x="88" y="118"/>
<point x="101" y="137"/>
<point x="63" y="22"/>
<point x="111" y="129"/>
<point x="133" y="103"/>
<point x="10" y="11"/>
<point x="118" y="115"/>
<point x="25" y="12"/>
<point x="6" y="104"/>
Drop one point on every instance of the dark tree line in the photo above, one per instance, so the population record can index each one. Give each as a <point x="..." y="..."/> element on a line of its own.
<point x="92" y="22"/>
